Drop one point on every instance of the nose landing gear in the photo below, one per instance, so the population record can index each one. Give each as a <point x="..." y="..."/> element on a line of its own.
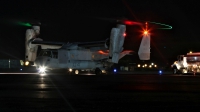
<point x="98" y="71"/>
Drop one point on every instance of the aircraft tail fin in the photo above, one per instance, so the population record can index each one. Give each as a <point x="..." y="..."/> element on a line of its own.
<point x="144" y="49"/>
<point x="116" y="43"/>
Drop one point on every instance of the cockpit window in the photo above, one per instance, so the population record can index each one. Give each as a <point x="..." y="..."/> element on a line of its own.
<point x="52" y="54"/>
<point x="55" y="54"/>
<point x="45" y="53"/>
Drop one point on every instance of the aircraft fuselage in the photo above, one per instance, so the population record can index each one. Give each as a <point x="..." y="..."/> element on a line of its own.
<point x="74" y="59"/>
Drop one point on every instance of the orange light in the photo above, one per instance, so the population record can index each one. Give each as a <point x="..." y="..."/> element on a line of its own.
<point x="102" y="52"/>
<point x="145" y="32"/>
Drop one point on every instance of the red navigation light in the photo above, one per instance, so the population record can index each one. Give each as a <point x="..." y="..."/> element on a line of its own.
<point x="128" y="22"/>
<point x="131" y="23"/>
<point x="124" y="34"/>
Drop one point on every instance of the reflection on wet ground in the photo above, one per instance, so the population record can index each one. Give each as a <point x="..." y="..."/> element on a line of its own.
<point x="119" y="92"/>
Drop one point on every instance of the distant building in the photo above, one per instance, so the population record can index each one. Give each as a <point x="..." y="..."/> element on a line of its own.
<point x="7" y="63"/>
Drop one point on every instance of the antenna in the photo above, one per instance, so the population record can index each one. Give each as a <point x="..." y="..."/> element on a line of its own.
<point x="146" y="26"/>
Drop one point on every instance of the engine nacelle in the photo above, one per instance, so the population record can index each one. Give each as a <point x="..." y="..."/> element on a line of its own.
<point x="31" y="50"/>
<point x="116" y="43"/>
<point x="144" y="49"/>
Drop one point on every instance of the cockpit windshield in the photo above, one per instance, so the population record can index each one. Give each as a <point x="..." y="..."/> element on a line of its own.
<point x="45" y="53"/>
<point x="49" y="53"/>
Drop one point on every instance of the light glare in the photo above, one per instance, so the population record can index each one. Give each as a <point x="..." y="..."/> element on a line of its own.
<point x="27" y="63"/>
<point x="124" y="34"/>
<point x="70" y="70"/>
<point x="42" y="69"/>
<point x="160" y="72"/>
<point x="145" y="32"/>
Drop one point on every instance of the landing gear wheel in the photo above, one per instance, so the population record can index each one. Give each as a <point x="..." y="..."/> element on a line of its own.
<point x="98" y="71"/>
<point x="175" y="71"/>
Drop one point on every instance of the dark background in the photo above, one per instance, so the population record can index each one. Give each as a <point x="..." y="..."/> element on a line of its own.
<point x="79" y="20"/>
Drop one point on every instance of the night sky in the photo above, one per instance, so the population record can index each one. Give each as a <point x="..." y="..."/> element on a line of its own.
<point x="81" y="20"/>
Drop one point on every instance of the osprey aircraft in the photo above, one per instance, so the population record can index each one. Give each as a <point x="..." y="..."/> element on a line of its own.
<point x="97" y="56"/>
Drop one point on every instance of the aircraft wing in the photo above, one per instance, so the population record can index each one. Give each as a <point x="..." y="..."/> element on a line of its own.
<point x="95" y="45"/>
<point x="48" y="44"/>
<point x="91" y="44"/>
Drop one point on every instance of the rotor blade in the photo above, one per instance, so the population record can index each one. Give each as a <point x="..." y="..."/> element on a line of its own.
<point x="121" y="20"/>
<point x="161" y="24"/>
<point x="23" y="24"/>
<point x="19" y="21"/>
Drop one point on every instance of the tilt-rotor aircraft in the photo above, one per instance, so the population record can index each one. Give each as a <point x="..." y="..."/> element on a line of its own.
<point x="97" y="56"/>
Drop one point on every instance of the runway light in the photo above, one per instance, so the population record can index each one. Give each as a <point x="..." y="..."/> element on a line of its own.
<point x="115" y="70"/>
<point x="160" y="72"/>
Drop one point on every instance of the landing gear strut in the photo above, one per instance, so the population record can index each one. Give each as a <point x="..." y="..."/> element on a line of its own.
<point x="98" y="71"/>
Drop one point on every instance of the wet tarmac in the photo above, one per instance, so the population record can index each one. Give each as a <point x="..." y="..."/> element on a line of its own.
<point x="103" y="93"/>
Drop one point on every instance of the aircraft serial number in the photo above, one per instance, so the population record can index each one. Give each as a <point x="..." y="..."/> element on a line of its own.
<point x="76" y="64"/>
